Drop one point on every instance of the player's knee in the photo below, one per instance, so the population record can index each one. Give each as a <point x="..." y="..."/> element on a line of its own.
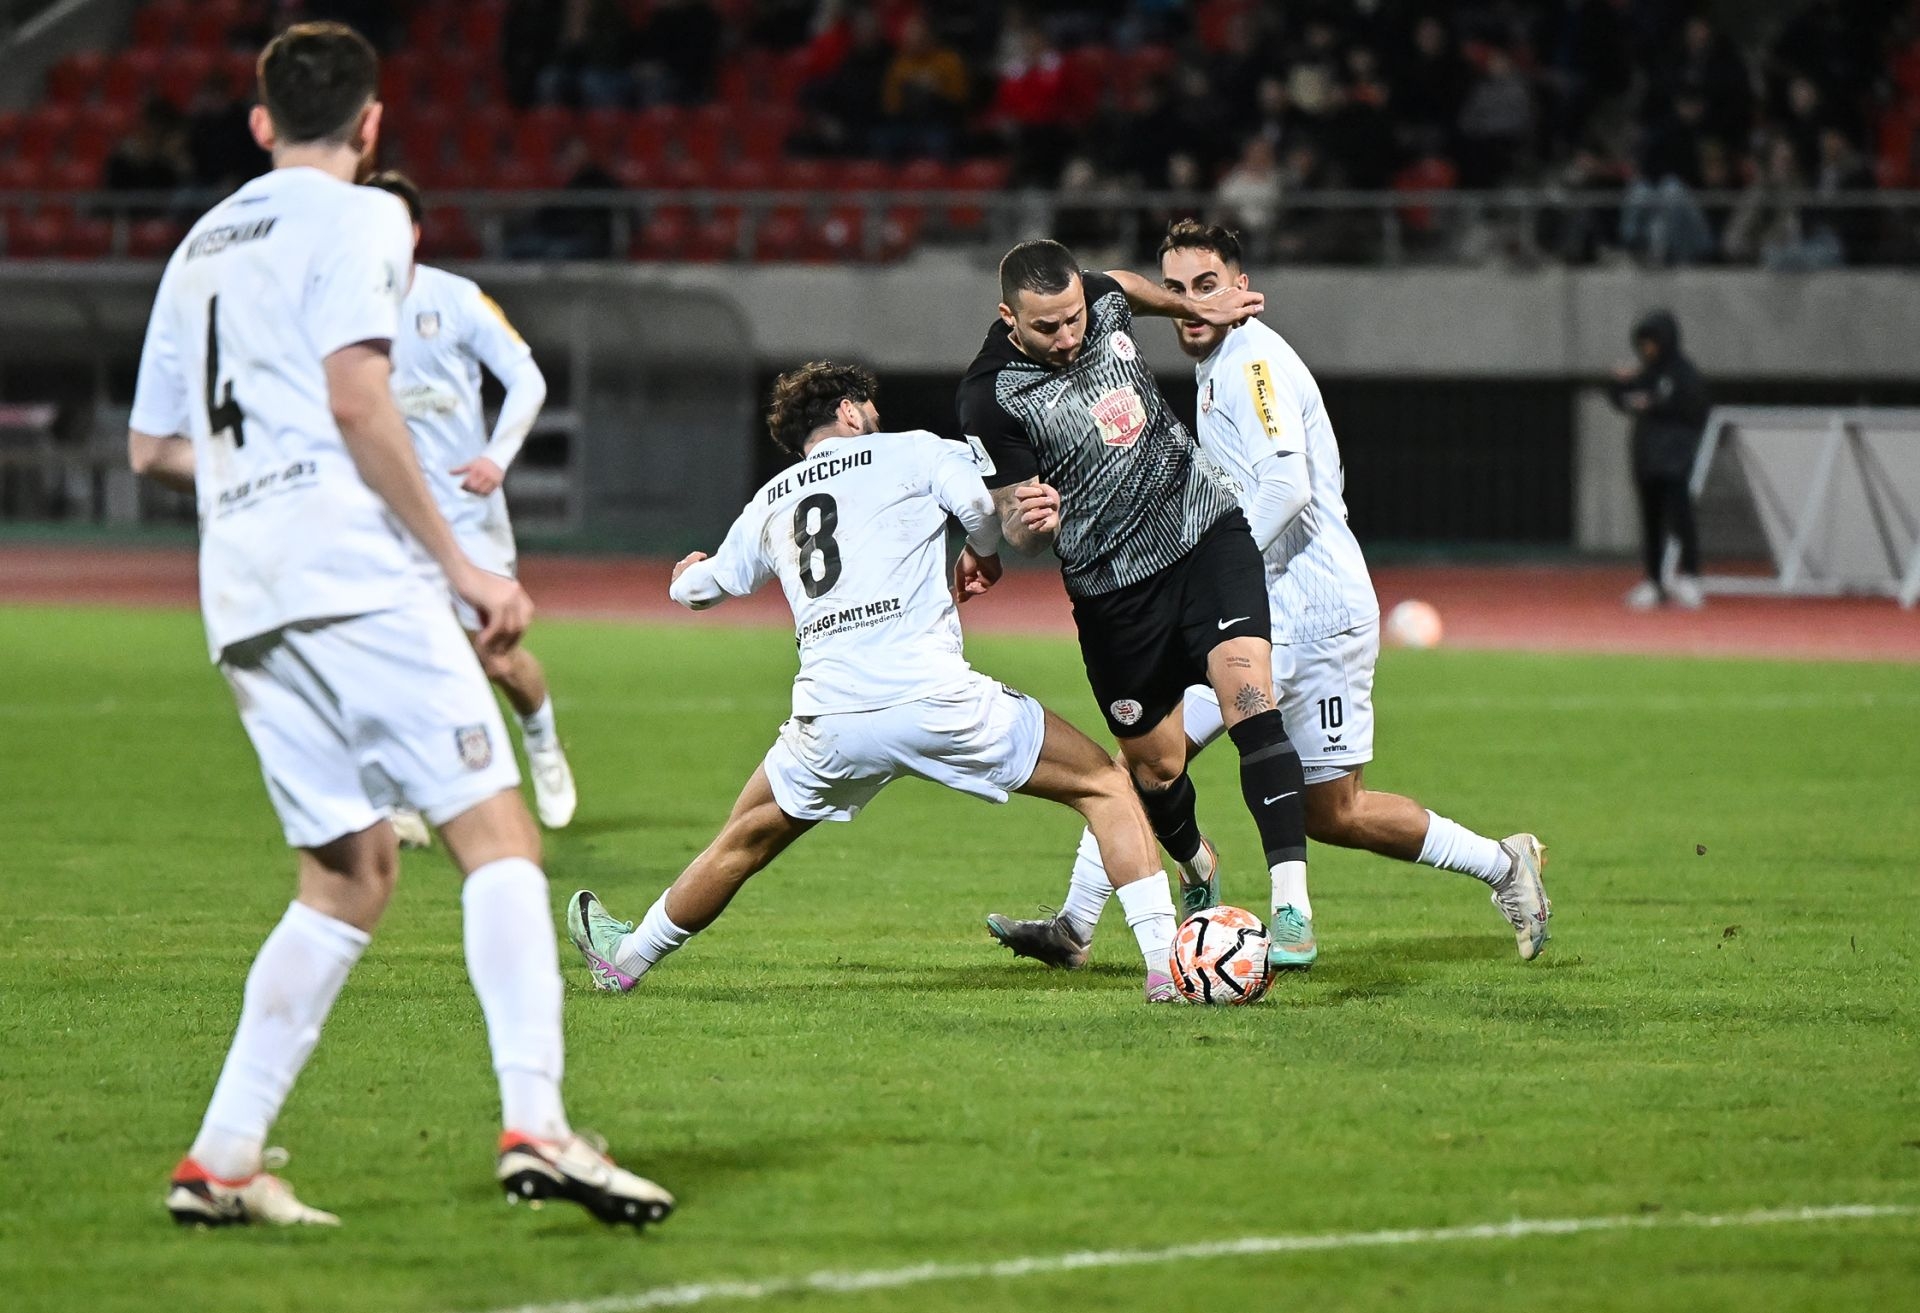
<point x="498" y="665"/>
<point x="1333" y="816"/>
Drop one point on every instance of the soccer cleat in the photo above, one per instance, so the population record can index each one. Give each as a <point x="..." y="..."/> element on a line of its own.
<point x="1291" y="946"/>
<point x="1161" y="989"/>
<point x="1200" y="880"/>
<point x="1522" y="897"/>
<point x="1686" y="592"/>
<point x="1644" y="596"/>
<point x="579" y="1171"/>
<point x="196" y="1198"/>
<point x="410" y="828"/>
<point x="597" y="933"/>
<point x="554" y="796"/>
<point x="1050" y="940"/>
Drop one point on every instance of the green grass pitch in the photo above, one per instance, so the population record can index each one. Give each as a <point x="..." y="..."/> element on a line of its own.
<point x="844" y="1072"/>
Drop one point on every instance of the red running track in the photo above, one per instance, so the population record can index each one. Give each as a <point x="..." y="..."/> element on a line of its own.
<point x="1515" y="608"/>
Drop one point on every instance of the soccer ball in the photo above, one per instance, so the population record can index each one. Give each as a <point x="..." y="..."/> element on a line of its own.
<point x="1220" y="956"/>
<point x="1414" y="624"/>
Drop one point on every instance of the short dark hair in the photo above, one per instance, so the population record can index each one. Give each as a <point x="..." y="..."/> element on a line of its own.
<point x="806" y="398"/>
<point x="315" y="78"/>
<point x="1041" y="266"/>
<point x="392" y="180"/>
<point x="1192" y="235"/>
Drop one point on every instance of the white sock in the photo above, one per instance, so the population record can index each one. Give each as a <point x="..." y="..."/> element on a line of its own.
<point x="295" y="978"/>
<point x="537" y="727"/>
<point x="1450" y="846"/>
<point x="1088" y="893"/>
<point x="514" y="963"/>
<point x="1148" y="905"/>
<point x="1290" y="888"/>
<point x="651" y="940"/>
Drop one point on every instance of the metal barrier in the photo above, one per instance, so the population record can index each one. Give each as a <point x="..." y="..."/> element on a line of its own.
<point x="1781" y="229"/>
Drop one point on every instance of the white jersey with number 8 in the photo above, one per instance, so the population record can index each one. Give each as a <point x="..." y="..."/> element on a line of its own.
<point x="293" y="267"/>
<point x="856" y="533"/>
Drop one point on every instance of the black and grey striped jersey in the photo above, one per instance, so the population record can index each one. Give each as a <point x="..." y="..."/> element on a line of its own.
<point x="1135" y="492"/>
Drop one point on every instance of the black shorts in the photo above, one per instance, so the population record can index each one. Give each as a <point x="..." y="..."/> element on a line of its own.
<point x="1144" y="645"/>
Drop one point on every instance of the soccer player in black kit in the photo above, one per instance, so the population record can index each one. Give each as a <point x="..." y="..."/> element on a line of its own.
<point x="1168" y="587"/>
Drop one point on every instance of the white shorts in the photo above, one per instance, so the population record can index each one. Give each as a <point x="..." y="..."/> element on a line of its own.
<point x="981" y="738"/>
<point x="1325" y="686"/>
<point x="488" y="544"/>
<point x="352" y="717"/>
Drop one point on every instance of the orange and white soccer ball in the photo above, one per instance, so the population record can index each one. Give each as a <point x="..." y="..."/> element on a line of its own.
<point x="1220" y="957"/>
<point x="1414" y="623"/>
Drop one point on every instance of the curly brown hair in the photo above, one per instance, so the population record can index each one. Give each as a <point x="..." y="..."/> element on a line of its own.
<point x="806" y="398"/>
<point x="1192" y="235"/>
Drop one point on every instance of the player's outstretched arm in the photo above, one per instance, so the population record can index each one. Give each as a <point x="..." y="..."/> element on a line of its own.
<point x="166" y="460"/>
<point x="736" y="570"/>
<point x="507" y="358"/>
<point x="1228" y="306"/>
<point x="360" y="392"/>
<point x="1029" y="515"/>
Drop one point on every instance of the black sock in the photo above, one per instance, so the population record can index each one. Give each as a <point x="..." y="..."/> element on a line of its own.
<point x="1170" y="811"/>
<point x="1274" y="784"/>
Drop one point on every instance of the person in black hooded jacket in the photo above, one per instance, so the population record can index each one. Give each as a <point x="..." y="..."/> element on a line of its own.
<point x="1667" y="399"/>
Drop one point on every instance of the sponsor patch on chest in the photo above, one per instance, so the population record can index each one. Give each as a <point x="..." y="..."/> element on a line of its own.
<point x="1121" y="416"/>
<point x="427" y="323"/>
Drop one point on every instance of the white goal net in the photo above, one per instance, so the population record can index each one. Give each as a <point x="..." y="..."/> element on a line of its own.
<point x="1810" y="501"/>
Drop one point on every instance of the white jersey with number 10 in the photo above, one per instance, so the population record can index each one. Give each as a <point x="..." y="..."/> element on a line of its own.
<point x="857" y="534"/>
<point x="293" y="267"/>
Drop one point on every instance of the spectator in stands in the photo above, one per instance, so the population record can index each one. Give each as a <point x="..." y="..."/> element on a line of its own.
<point x="679" y="52"/>
<point x="1360" y="133"/>
<point x="780" y="24"/>
<point x="1180" y="175"/>
<point x="842" y="101"/>
<point x="1030" y="103"/>
<point x="1585" y="62"/>
<point x="569" y="232"/>
<point x="529" y="44"/>
<point x="1496" y="123"/>
<point x="151" y="158"/>
<point x="591" y="63"/>
<point x="1430" y="84"/>
<point x="924" y="95"/>
<point x="1249" y="196"/>
<point x="1086" y="227"/>
<point x="219" y="144"/>
<point x="1842" y="170"/>
<point x="1710" y="67"/>
<point x="1273" y="114"/>
<point x="1806" y="118"/>
<point x="1661" y="219"/>
<point x="1667" y="399"/>
<point x="1769" y="224"/>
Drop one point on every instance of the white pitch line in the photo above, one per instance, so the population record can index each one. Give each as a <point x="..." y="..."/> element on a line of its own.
<point x="830" y="1282"/>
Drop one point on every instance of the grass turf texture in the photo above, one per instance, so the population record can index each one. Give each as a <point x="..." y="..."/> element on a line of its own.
<point x="844" y="1072"/>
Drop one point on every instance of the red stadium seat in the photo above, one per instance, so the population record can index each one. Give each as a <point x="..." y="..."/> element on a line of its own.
<point x="636" y="175"/>
<point x="72" y="174"/>
<point x="154" y="239"/>
<point x="521" y="173"/>
<point x="210" y="28"/>
<point x="182" y="75"/>
<point x="665" y="234"/>
<point x="237" y="70"/>
<point x="900" y="230"/>
<point x="707" y="135"/>
<point x="132" y="76"/>
<point x="480" y="24"/>
<point x="780" y="235"/>
<point x="87" y="239"/>
<point x="430" y="28"/>
<point x="606" y="132"/>
<point x="483" y="135"/>
<point x="403" y="78"/>
<point x="984" y="176"/>
<point x="862" y="175"/>
<point x="35" y="236"/>
<point x="161" y="24"/>
<point x="9" y="132"/>
<point x="1136" y="68"/>
<point x="921" y="175"/>
<point x="77" y="77"/>
<point x="804" y="175"/>
<point x="1090" y="78"/>
<point x="96" y="130"/>
<point x="654" y="134"/>
<point x="455" y="79"/>
<point x="714" y="238"/>
<point x="44" y="133"/>
<point x="542" y="131"/>
<point x="838" y="236"/>
<point x="447" y="234"/>
<point x="762" y="134"/>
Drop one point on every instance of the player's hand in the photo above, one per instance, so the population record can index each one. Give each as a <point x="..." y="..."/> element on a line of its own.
<point x="681" y="566"/>
<point x="1638" y="401"/>
<point x="480" y="476"/>
<point x="1228" y="306"/>
<point x="1626" y="372"/>
<point x="973" y="574"/>
<point x="504" y="607"/>
<point x="1039" y="507"/>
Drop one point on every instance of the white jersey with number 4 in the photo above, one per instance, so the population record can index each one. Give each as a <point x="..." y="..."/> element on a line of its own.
<point x="291" y="268"/>
<point x="857" y="534"/>
<point x="449" y="328"/>
<point x="1256" y="398"/>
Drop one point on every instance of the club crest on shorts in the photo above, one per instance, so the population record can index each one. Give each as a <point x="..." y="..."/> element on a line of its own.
<point x="1123" y="345"/>
<point x="475" y="746"/>
<point x="427" y="323"/>
<point x="1126" y="711"/>
<point x="1121" y="416"/>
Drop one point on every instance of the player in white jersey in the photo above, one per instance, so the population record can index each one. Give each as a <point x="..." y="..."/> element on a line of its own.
<point x="449" y="328"/>
<point x="856" y="532"/>
<point x="1263" y="424"/>
<point x="264" y="388"/>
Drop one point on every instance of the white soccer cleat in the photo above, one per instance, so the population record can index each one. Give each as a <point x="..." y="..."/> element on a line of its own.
<point x="1522" y="897"/>
<point x="554" y="796"/>
<point x="1644" y="596"/>
<point x="410" y="828"/>
<point x="196" y="1198"/>
<point x="1687" y="594"/>
<point x="579" y="1171"/>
